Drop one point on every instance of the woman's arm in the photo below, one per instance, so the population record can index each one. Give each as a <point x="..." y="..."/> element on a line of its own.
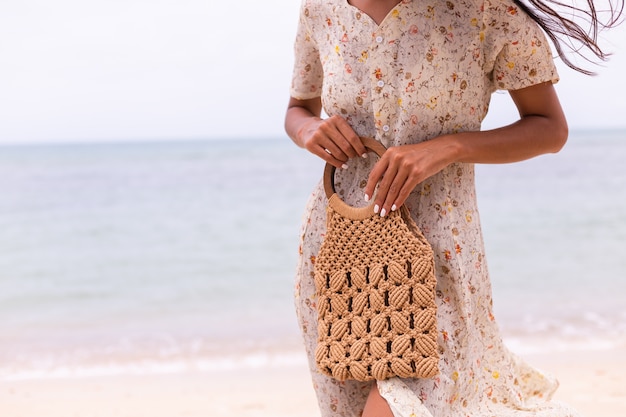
<point x="542" y="128"/>
<point x="331" y="139"/>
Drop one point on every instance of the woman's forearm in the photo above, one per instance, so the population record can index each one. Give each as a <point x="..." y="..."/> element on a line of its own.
<point x="300" y="114"/>
<point x="542" y="128"/>
<point x="529" y="137"/>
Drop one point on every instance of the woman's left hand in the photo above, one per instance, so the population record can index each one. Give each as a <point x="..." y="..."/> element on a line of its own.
<point x="401" y="168"/>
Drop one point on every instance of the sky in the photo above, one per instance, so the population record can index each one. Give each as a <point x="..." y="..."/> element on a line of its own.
<point x="117" y="70"/>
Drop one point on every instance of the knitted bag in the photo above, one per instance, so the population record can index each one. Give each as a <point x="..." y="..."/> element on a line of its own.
<point x="375" y="282"/>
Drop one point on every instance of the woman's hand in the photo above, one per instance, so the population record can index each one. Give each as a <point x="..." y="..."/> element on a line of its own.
<point x="331" y="139"/>
<point x="401" y="168"/>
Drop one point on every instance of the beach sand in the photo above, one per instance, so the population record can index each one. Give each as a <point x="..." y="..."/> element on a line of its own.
<point x="593" y="382"/>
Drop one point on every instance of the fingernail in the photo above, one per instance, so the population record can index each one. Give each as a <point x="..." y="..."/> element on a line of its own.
<point x="345" y="166"/>
<point x="383" y="212"/>
<point x="394" y="207"/>
<point x="376" y="208"/>
<point x="364" y="155"/>
<point x="367" y="197"/>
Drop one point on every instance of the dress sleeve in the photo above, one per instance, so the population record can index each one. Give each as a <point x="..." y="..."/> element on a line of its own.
<point x="307" y="77"/>
<point x="524" y="57"/>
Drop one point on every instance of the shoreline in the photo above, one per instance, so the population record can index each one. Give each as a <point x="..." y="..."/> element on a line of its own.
<point x="593" y="382"/>
<point x="232" y="356"/>
<point x="78" y="363"/>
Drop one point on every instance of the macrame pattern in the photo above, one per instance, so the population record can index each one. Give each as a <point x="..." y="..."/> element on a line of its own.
<point x="375" y="284"/>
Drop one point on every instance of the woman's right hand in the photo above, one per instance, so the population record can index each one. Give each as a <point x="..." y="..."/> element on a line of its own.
<point x="331" y="139"/>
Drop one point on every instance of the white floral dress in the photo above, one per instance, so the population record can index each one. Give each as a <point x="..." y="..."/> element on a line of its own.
<point x="428" y="69"/>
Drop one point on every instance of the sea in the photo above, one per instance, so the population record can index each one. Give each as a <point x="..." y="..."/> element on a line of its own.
<point x="139" y="258"/>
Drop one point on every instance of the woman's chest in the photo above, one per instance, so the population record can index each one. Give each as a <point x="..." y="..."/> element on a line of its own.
<point x="415" y="42"/>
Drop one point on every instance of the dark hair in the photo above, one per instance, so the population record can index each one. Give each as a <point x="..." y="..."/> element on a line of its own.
<point x="579" y="37"/>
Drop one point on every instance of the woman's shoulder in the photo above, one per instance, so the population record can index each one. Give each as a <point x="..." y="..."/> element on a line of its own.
<point x="503" y="10"/>
<point x="499" y="5"/>
<point x="320" y="5"/>
<point x="505" y="17"/>
<point x="318" y="14"/>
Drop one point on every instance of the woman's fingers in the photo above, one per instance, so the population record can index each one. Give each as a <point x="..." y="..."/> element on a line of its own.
<point x="328" y="156"/>
<point x="376" y="174"/>
<point x="321" y="143"/>
<point x="343" y="137"/>
<point x="395" y="178"/>
<point x="385" y="174"/>
<point x="402" y="168"/>
<point x="331" y="149"/>
<point x="354" y="145"/>
<point x="391" y="200"/>
<point x="389" y="185"/>
<point x="404" y="193"/>
<point x="335" y="142"/>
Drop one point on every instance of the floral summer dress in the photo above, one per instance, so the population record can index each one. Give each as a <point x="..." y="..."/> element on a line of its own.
<point x="428" y="69"/>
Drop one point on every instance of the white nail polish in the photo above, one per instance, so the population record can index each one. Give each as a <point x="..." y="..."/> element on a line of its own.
<point x="367" y="198"/>
<point x="345" y="166"/>
<point x="376" y="208"/>
<point x="394" y="208"/>
<point x="383" y="212"/>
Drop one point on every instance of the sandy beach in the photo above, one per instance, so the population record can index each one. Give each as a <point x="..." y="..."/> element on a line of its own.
<point x="592" y="381"/>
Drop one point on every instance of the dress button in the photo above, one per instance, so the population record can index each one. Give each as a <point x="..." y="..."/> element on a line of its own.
<point x="379" y="39"/>
<point x="386" y="128"/>
<point x="380" y="83"/>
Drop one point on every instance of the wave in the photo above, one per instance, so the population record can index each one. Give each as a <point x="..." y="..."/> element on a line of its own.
<point x="87" y="365"/>
<point x="138" y="367"/>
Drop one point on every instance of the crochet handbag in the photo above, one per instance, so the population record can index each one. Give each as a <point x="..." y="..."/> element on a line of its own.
<point x="375" y="282"/>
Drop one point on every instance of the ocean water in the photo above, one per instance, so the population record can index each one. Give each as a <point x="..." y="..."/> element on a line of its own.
<point x="167" y="256"/>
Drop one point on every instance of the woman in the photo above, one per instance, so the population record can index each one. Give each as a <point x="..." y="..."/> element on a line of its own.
<point x="418" y="76"/>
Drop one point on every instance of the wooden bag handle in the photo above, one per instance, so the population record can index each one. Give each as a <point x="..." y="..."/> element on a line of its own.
<point x="370" y="144"/>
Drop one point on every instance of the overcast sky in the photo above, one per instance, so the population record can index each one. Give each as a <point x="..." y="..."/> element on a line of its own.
<point x="98" y="70"/>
